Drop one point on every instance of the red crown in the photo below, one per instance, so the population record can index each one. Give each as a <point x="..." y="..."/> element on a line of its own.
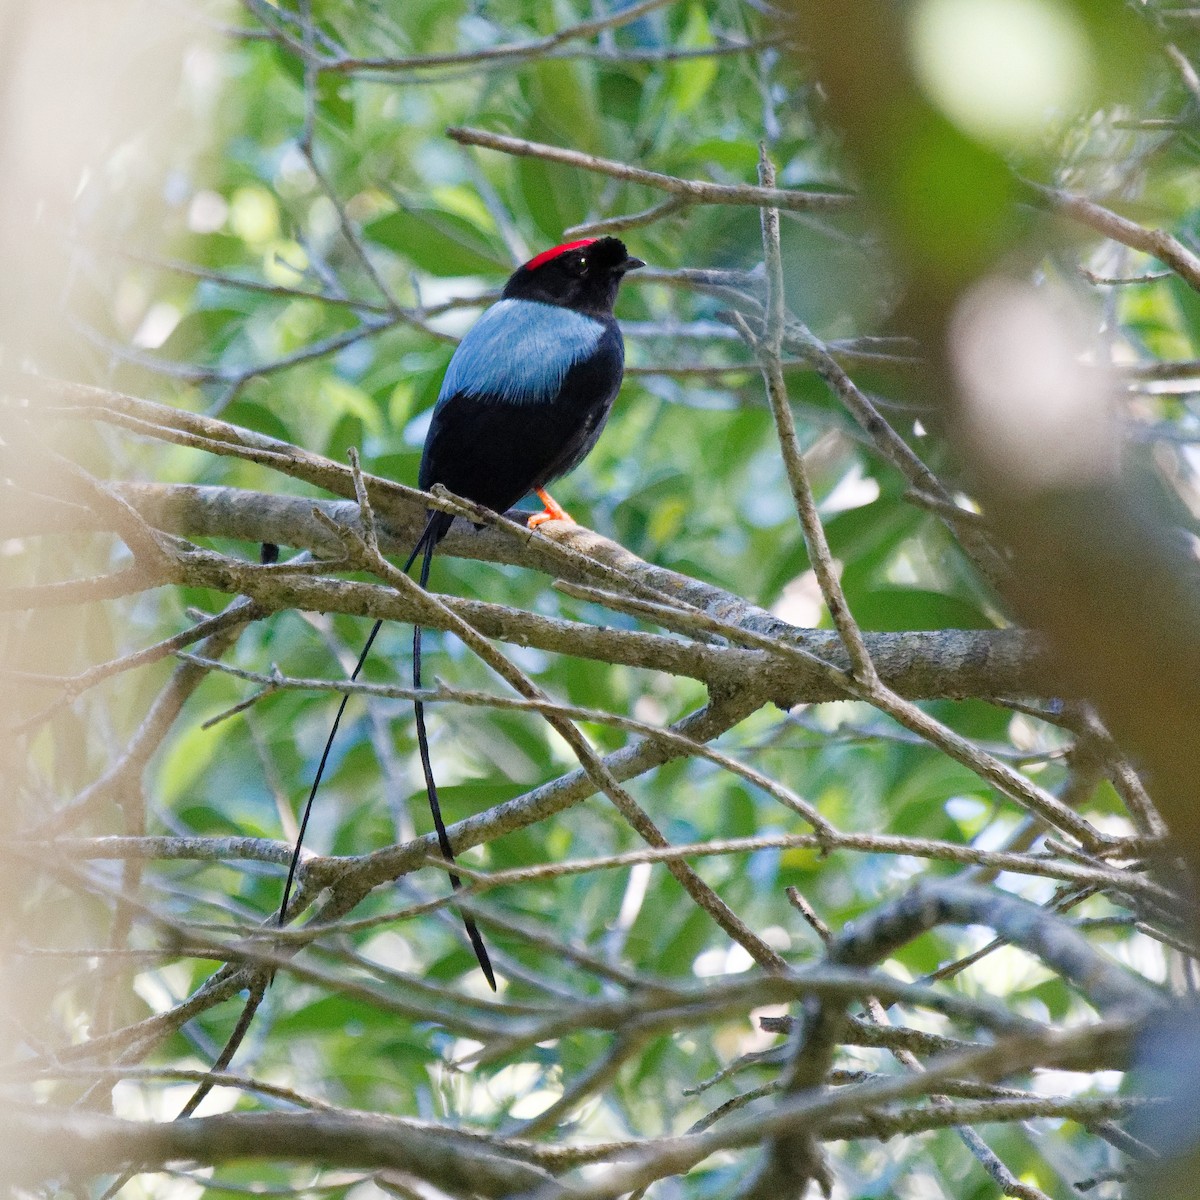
<point x="546" y="255"/>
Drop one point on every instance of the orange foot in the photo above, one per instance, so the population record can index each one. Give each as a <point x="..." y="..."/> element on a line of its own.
<point x="554" y="511"/>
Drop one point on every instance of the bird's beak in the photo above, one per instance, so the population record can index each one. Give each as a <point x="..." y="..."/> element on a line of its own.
<point x="631" y="264"/>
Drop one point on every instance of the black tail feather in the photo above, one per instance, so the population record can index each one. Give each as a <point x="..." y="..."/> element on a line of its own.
<point x="434" y="531"/>
<point x="485" y="962"/>
<point x="316" y="783"/>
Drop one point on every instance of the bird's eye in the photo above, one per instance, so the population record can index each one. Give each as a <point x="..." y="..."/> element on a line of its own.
<point x="577" y="264"/>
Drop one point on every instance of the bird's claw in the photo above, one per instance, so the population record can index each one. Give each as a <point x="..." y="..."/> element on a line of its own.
<point x="553" y="511"/>
<point x="542" y="517"/>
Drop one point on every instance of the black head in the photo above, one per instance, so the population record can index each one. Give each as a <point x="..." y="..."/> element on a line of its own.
<point x="581" y="275"/>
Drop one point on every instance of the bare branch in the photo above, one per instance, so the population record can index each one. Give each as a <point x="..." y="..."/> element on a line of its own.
<point x="692" y="191"/>
<point x="516" y="51"/>
<point x="1154" y="242"/>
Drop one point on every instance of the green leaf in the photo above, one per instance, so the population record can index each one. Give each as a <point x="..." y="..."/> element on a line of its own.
<point x="691" y="78"/>
<point x="442" y="243"/>
<point x="205" y="332"/>
<point x="894" y="608"/>
<point x="553" y="196"/>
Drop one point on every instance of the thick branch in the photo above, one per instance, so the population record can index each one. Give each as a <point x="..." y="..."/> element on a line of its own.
<point x="917" y="664"/>
<point x="40" y="1145"/>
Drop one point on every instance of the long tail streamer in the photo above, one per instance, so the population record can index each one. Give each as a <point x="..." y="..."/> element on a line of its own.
<point x="485" y="962"/>
<point x="433" y="532"/>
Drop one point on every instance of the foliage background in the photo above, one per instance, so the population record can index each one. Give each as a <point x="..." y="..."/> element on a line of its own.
<point x="320" y="244"/>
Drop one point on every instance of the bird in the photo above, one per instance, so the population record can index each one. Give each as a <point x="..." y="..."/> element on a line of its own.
<point x="524" y="399"/>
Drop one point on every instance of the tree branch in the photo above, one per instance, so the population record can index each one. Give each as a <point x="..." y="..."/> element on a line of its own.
<point x="694" y="191"/>
<point x="917" y="664"/>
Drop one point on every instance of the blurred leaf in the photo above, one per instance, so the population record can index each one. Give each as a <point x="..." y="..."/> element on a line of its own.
<point x="553" y="197"/>
<point x="202" y="335"/>
<point x="915" y="608"/>
<point x="442" y="243"/>
<point x="691" y="78"/>
<point x="563" y="96"/>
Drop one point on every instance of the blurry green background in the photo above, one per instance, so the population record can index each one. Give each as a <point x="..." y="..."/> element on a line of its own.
<point x="243" y="297"/>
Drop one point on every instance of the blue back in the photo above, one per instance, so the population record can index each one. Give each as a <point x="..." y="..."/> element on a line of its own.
<point x="519" y="352"/>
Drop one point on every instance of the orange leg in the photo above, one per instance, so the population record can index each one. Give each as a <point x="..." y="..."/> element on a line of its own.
<point x="554" y="511"/>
